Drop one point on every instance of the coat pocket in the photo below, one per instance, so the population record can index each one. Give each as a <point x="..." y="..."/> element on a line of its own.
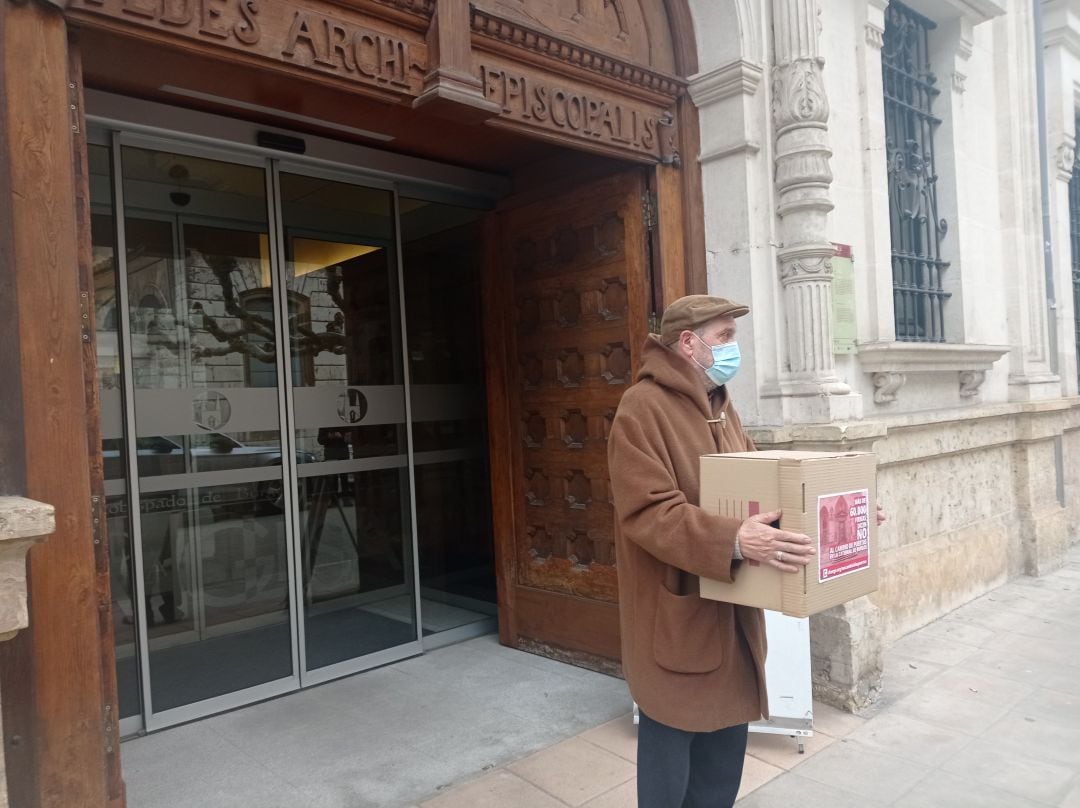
<point x="687" y="636"/>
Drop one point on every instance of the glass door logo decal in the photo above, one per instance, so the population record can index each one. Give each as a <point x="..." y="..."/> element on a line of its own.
<point x="211" y="410"/>
<point x="352" y="406"/>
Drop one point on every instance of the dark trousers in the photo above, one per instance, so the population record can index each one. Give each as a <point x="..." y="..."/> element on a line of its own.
<point x="679" y="769"/>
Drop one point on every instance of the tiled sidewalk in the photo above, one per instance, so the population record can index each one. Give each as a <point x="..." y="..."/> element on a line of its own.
<point x="980" y="708"/>
<point x="596" y="769"/>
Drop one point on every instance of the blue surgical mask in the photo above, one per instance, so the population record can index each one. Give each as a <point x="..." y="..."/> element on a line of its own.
<point x="725" y="362"/>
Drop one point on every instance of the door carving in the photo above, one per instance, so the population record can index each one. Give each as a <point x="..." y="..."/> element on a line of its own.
<point x="629" y="29"/>
<point x="574" y="268"/>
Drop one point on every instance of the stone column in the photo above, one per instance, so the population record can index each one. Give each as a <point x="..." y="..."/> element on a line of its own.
<point x="800" y="111"/>
<point x="1061" y="57"/>
<point x="22" y="523"/>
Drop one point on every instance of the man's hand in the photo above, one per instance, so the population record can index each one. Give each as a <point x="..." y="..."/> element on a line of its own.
<point x="782" y="549"/>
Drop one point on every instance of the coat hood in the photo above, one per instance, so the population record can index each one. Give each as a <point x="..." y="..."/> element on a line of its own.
<point x="666" y="368"/>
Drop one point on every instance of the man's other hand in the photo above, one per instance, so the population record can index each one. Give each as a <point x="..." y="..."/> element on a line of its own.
<point x="782" y="549"/>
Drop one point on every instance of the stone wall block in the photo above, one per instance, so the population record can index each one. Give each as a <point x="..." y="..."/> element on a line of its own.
<point x="937" y="495"/>
<point x="922" y="581"/>
<point x="847" y="651"/>
<point x="950" y="436"/>
<point x="1071" y="456"/>
<point x="1041" y="520"/>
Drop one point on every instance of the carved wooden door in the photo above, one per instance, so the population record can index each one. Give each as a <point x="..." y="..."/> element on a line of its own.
<point x="571" y="282"/>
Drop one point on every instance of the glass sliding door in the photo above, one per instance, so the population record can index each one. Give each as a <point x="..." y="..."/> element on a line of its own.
<point x="441" y="249"/>
<point x="349" y="421"/>
<point x="212" y="546"/>
<point x="282" y="423"/>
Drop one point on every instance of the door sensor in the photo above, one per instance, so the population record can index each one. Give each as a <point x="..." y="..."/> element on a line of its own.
<point x="279" y="142"/>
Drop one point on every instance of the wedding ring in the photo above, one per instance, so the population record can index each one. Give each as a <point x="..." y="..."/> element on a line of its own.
<point x="780" y="556"/>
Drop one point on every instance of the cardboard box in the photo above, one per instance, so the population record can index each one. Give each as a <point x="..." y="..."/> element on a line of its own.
<point x="830" y="497"/>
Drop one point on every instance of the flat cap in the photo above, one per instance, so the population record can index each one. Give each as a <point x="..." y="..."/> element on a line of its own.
<point x="692" y="311"/>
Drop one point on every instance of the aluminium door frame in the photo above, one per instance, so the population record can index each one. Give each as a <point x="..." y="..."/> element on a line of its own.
<point x="352" y="665"/>
<point x="118" y="131"/>
<point x="152" y="720"/>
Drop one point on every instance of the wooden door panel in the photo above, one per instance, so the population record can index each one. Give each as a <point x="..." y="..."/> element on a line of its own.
<point x="575" y="268"/>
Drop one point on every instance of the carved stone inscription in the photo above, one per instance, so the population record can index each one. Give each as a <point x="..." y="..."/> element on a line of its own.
<point x="282" y="32"/>
<point x="583" y="114"/>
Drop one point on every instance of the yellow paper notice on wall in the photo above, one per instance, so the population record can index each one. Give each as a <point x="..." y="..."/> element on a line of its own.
<point x="843" y="301"/>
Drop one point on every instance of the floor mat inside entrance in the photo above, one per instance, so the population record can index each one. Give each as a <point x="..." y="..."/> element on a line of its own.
<point x="188" y="673"/>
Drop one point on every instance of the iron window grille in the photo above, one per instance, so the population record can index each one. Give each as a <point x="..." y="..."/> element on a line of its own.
<point x="910" y="125"/>
<point x="1074" y="241"/>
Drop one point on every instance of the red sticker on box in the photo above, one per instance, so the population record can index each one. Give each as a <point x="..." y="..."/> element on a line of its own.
<point x="843" y="534"/>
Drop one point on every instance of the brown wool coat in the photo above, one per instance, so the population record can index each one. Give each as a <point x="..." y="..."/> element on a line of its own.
<point x="694" y="664"/>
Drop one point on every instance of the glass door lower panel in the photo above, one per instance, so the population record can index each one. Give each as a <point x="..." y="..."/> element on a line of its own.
<point x="354" y="490"/>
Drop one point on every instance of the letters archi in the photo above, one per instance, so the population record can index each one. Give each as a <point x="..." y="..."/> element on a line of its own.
<point x="387" y="60"/>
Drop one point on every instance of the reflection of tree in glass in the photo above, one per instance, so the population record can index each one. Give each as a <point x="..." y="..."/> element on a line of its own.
<point x="255" y="335"/>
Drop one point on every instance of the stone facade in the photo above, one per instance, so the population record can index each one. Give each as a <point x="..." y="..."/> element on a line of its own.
<point x="977" y="436"/>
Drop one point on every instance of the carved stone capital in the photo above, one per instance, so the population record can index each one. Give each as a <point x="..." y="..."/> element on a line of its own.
<point x="887" y="385"/>
<point x="971" y="381"/>
<point x="798" y="96"/>
<point x="958" y="80"/>
<point x="23" y="522"/>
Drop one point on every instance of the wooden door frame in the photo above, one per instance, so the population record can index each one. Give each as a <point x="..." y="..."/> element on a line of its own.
<point x="58" y="680"/>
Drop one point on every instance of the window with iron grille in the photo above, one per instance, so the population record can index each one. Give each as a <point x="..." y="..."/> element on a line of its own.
<point x="1074" y="239"/>
<point x="917" y="229"/>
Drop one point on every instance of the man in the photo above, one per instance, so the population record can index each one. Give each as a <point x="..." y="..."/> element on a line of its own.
<point x="695" y="667"/>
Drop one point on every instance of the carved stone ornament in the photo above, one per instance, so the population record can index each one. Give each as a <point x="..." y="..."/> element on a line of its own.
<point x="958" y="80"/>
<point x="733" y="79"/>
<point x="426" y="7"/>
<point x="799" y="94"/>
<point x="875" y="36"/>
<point x="1064" y="158"/>
<point x="971" y="381"/>
<point x="23" y="522"/>
<point x="669" y="141"/>
<point x="549" y="44"/>
<point x="806" y="267"/>
<point x="800" y="112"/>
<point x="886" y="386"/>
